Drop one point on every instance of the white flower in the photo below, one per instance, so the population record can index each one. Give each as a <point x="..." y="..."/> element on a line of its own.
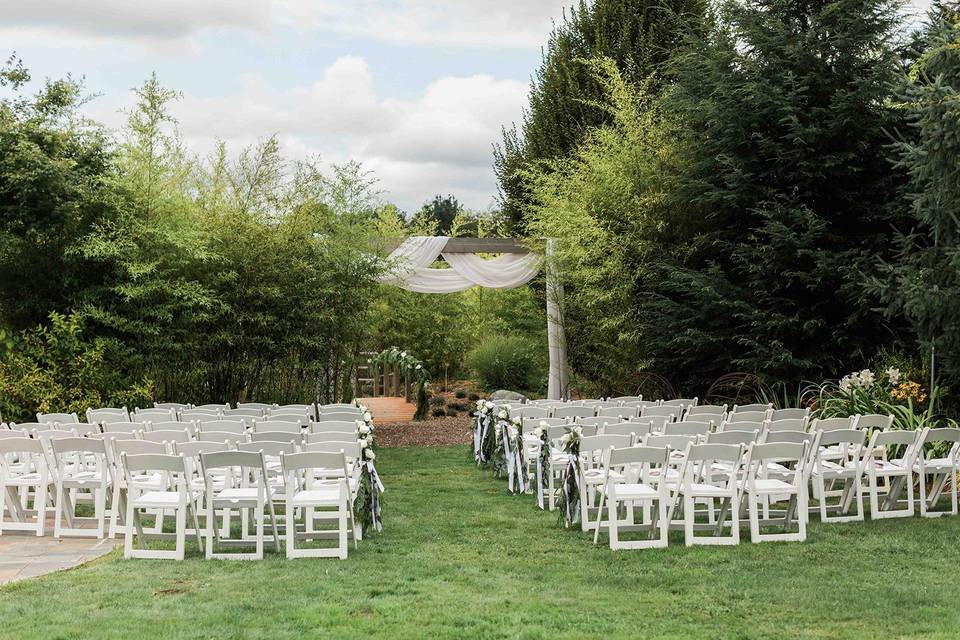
<point x="544" y="424"/>
<point x="894" y="375"/>
<point x="508" y="407"/>
<point x="480" y="404"/>
<point x="403" y="354"/>
<point x="502" y="414"/>
<point x="538" y="432"/>
<point x="846" y="384"/>
<point x="360" y="423"/>
<point x="363" y="430"/>
<point x="369" y="454"/>
<point x="578" y="431"/>
<point x="867" y="378"/>
<point x="566" y="437"/>
<point x="419" y="367"/>
<point x="516" y="420"/>
<point x="364" y="443"/>
<point x="367" y="416"/>
<point x="363" y="408"/>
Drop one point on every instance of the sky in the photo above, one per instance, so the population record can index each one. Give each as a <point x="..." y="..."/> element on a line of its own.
<point x="416" y="90"/>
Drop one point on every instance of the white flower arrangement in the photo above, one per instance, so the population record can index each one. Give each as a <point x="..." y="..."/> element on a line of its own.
<point x="368" y="454"/>
<point x="858" y="379"/>
<point x="893" y="375"/>
<point x="517" y="420"/>
<point x="363" y="429"/>
<point x="502" y="414"/>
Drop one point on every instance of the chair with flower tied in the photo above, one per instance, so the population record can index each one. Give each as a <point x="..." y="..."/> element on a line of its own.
<point x="595" y="472"/>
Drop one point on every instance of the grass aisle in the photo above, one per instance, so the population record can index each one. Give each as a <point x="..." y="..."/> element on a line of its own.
<point x="460" y="558"/>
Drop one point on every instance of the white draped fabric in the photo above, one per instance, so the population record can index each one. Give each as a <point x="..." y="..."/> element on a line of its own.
<point x="411" y="270"/>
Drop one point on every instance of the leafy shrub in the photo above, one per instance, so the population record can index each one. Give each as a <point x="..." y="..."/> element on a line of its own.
<point x="453" y="413"/>
<point x="56" y="367"/>
<point x="460" y="393"/>
<point x="457" y="406"/>
<point x="473" y="397"/>
<point x="507" y="362"/>
<point x="438" y="412"/>
<point x="437" y="401"/>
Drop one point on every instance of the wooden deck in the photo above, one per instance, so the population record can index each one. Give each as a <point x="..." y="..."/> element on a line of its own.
<point x="389" y="410"/>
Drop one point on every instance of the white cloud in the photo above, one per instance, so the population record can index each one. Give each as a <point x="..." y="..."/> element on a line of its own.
<point x="438" y="142"/>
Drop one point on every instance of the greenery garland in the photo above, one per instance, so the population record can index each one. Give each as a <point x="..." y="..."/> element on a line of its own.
<point x="411" y="367"/>
<point x="542" y="477"/>
<point x="367" y="506"/>
<point x="570" y="480"/>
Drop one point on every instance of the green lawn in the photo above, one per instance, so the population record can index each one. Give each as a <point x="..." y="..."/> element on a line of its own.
<point x="461" y="558"/>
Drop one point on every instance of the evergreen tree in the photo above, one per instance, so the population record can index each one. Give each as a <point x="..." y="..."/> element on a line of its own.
<point x="441" y="211"/>
<point x="922" y="284"/>
<point x="786" y="110"/>
<point x="566" y="100"/>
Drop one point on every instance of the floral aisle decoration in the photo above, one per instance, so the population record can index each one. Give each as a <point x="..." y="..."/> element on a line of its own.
<point x="542" y="477"/>
<point x="515" y="454"/>
<point x="413" y="369"/>
<point x="484" y="436"/>
<point x="367" y="506"/>
<point x="501" y="446"/>
<point x="366" y="418"/>
<point x="570" y="479"/>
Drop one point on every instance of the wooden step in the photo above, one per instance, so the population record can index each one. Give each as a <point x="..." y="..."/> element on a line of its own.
<point x="389" y="410"/>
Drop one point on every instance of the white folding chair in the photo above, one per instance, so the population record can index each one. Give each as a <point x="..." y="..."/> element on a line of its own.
<point x="276" y="425"/>
<point x="247" y="489"/>
<point x="121" y="479"/>
<point x="790" y="413"/>
<point x="838" y="459"/>
<point x="108" y="414"/>
<point x="621" y="413"/>
<point x="943" y="469"/>
<point x="687" y="428"/>
<point x="628" y="480"/>
<point x="80" y="465"/>
<point x="326" y="500"/>
<point x="334" y="425"/>
<point x="897" y="472"/>
<point x="24" y="468"/>
<point x="761" y="489"/>
<point x="155" y="415"/>
<point x="176" y="406"/>
<point x="58" y="418"/>
<point x="759" y="406"/>
<point x="166" y="435"/>
<point x="574" y="412"/>
<point x="228" y="426"/>
<point x="175" y="496"/>
<point x="711" y="472"/>
<point x="713" y="412"/>
<point x="593" y="450"/>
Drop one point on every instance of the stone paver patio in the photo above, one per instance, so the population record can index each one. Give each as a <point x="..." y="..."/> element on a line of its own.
<point x="24" y="555"/>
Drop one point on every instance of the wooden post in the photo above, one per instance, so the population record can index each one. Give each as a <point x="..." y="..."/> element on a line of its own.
<point x="406" y="387"/>
<point x="396" y="381"/>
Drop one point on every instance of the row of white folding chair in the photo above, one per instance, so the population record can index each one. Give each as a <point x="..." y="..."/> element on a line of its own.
<point x="302" y="491"/>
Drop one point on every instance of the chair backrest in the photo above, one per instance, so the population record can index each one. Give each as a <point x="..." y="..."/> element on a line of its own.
<point x="733" y="437"/>
<point x="28" y="427"/>
<point x="320" y="463"/>
<point x="166" y="435"/>
<point x="334" y="425"/>
<point x="622" y="413"/>
<point x="679" y="443"/>
<point x="911" y="440"/>
<point x="263" y="406"/>
<point x="308" y="409"/>
<point x="299" y="419"/>
<point x="573" y="412"/>
<point x="229" y="426"/>
<point x="853" y="437"/>
<point x="758" y="406"/>
<point x="175" y="425"/>
<point x="47" y="436"/>
<point x="78" y="445"/>
<point x="687" y="428"/>
<point x="790" y="436"/>
<point x="682" y="403"/>
<point x="155" y="415"/>
<point x="214" y="406"/>
<point x="243" y="413"/>
<point x="594" y="422"/>
<point x="276" y="436"/>
<point x="123" y="427"/>
<point x="624" y="456"/>
<point x="21" y="444"/>
<point x="526" y="412"/>
<point x="787" y="424"/>
<point x="779" y="451"/>
<point x="200" y="414"/>
<point x="533" y="423"/>
<point x="340" y="416"/>
<point x="834" y="424"/>
<point x="165" y="463"/>
<point x="638" y="429"/>
<point x="83" y="429"/>
<point x="943" y="434"/>
<point x="660" y="412"/>
<point x="715" y="412"/>
<point x="243" y="460"/>
<point x="137" y="447"/>
<point x="176" y="406"/>
<point x="640" y="404"/>
<point x="748" y="416"/>
<point x="331" y="436"/>
<point x="276" y="425"/>
<point x="108" y="414"/>
<point x="339" y="406"/>
<point x="745" y="425"/>
<point x="9" y="433"/>
<point x="269" y="448"/>
<point x="62" y="418"/>
<point x="874" y="421"/>
<point x="350" y="449"/>
<point x="622" y="399"/>
<point x="656" y="422"/>
<point x="222" y="436"/>
<point x="790" y="413"/>
<point x="700" y="459"/>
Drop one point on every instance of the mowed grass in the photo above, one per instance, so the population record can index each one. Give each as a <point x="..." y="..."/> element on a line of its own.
<point x="460" y="558"/>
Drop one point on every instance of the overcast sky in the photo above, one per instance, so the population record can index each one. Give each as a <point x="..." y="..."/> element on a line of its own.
<point x="415" y="89"/>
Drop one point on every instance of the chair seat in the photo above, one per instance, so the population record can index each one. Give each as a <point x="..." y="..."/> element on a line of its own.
<point x="24" y="480"/>
<point x="240" y="494"/>
<point x="705" y="490"/>
<point x="82" y="478"/>
<point x="595" y="476"/>
<point x="633" y="492"/>
<point x="771" y="485"/>
<point x="159" y="499"/>
<point x="934" y="464"/>
<point x="319" y="496"/>
<point x="889" y="466"/>
<point x="830" y="469"/>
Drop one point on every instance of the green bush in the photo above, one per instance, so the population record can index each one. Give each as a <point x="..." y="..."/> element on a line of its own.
<point x="437" y="401"/>
<point x="453" y="413"/>
<point x="473" y="397"/>
<point x="460" y="393"/>
<point x="438" y="412"/>
<point x="457" y="406"/>
<point x="507" y="362"/>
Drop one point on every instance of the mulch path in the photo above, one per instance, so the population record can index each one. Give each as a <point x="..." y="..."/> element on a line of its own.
<point x="429" y="433"/>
